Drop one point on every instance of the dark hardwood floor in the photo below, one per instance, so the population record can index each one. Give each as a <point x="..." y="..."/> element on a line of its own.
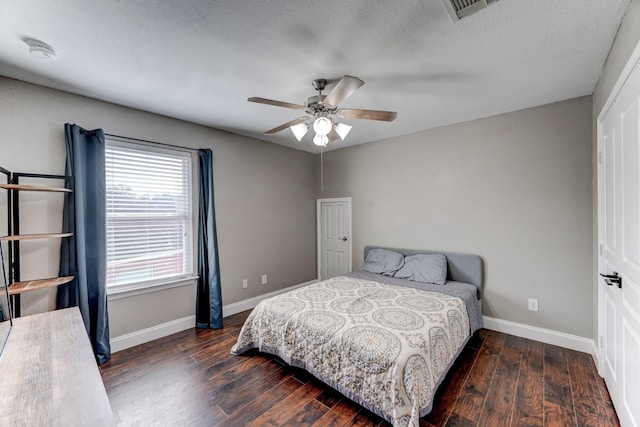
<point x="190" y="379"/>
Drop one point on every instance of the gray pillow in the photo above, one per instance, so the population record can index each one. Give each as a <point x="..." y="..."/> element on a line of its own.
<point x="428" y="268"/>
<point x="383" y="261"/>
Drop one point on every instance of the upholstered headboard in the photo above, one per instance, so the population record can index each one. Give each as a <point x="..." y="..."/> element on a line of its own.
<point x="467" y="268"/>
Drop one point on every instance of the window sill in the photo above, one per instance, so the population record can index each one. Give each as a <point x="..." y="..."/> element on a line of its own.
<point x="125" y="291"/>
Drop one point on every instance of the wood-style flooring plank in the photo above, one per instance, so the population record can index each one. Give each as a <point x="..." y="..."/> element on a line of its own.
<point x="450" y="388"/>
<point x="471" y="400"/>
<point x="585" y="391"/>
<point x="217" y="349"/>
<point x="261" y="383"/>
<point x="533" y="356"/>
<point x="282" y="411"/>
<point x="605" y="398"/>
<point x="501" y="394"/>
<point x="190" y="378"/>
<point x="456" y="420"/>
<point x="340" y="415"/>
<point x="558" y="401"/>
<point x="139" y="369"/>
<point x="528" y="409"/>
<point x="211" y="367"/>
<point x="329" y="398"/>
<point x="256" y="376"/>
<point x="365" y="418"/>
<point x="307" y="415"/>
<point x="253" y="409"/>
<point x="477" y="339"/>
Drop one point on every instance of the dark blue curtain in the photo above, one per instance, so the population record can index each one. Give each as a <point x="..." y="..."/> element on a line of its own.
<point x="85" y="254"/>
<point x="209" y="293"/>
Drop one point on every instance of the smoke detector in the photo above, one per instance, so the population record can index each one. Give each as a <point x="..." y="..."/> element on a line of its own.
<point x="459" y="9"/>
<point x="40" y="49"/>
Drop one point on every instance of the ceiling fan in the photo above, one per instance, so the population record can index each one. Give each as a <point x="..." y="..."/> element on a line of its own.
<point x="321" y="108"/>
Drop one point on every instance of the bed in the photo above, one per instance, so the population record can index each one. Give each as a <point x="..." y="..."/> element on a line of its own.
<point x="381" y="336"/>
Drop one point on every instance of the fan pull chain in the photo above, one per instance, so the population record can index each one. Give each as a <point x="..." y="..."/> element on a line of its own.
<point x="321" y="170"/>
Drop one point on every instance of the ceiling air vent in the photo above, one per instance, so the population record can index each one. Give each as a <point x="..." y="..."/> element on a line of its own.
<point x="459" y="9"/>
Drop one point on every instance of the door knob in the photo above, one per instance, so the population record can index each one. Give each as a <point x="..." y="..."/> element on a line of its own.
<point x="344" y="239"/>
<point x="611" y="279"/>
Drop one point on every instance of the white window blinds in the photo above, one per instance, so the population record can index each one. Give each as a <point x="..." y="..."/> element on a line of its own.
<point x="149" y="226"/>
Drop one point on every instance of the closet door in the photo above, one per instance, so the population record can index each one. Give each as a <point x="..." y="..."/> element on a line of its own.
<point x="619" y="250"/>
<point x="334" y="237"/>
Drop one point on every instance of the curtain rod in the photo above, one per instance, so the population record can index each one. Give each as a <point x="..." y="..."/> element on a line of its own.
<point x="149" y="142"/>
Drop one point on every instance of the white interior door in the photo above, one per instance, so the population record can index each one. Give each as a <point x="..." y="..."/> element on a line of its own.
<point x="619" y="250"/>
<point x="334" y="237"/>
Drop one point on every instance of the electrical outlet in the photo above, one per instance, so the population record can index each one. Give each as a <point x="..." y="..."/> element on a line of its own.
<point x="264" y="279"/>
<point x="244" y="284"/>
<point x="533" y="304"/>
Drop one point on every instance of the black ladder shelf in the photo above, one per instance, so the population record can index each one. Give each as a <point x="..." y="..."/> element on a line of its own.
<point x="15" y="286"/>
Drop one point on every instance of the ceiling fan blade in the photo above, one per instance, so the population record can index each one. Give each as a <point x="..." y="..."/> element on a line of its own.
<point x="384" y="116"/>
<point x="333" y="135"/>
<point x="344" y="89"/>
<point x="276" y="103"/>
<point x="287" y="125"/>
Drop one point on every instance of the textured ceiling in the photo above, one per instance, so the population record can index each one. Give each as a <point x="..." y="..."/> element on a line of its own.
<point x="200" y="60"/>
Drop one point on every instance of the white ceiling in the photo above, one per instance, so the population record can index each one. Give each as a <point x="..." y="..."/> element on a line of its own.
<point x="200" y="60"/>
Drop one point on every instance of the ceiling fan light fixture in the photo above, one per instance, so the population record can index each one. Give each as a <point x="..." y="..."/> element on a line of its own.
<point x="343" y="130"/>
<point x="322" y="111"/>
<point x="322" y="126"/>
<point x="321" y="140"/>
<point x="299" y="130"/>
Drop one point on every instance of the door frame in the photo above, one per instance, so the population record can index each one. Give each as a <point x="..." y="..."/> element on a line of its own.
<point x="632" y="63"/>
<point x="319" y="229"/>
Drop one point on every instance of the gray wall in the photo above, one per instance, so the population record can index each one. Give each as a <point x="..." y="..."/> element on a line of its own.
<point x="265" y="199"/>
<point x="514" y="188"/>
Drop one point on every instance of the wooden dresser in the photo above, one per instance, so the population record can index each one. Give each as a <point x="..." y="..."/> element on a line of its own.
<point x="49" y="376"/>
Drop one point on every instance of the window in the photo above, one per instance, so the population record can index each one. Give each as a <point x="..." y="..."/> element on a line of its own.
<point x="149" y="225"/>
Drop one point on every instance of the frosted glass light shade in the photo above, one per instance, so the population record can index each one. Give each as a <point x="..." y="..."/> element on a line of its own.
<point x="322" y="126"/>
<point x="321" y="140"/>
<point x="343" y="130"/>
<point x="299" y="130"/>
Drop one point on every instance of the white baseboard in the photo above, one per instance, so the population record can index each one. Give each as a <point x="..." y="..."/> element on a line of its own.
<point x="164" y="329"/>
<point x="250" y="303"/>
<point x="153" y="333"/>
<point x="546" y="336"/>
